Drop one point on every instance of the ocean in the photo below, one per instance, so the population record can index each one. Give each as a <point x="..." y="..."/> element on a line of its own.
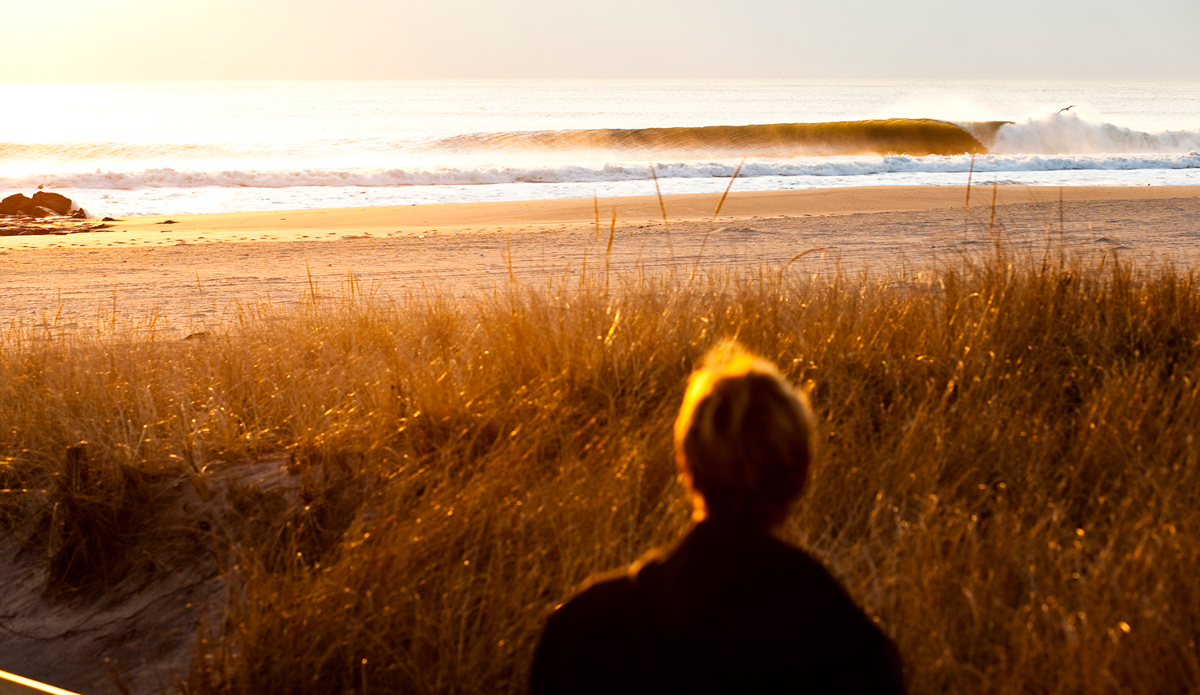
<point x="164" y="148"/>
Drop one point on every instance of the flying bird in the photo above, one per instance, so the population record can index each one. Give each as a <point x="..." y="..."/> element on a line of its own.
<point x="1067" y="108"/>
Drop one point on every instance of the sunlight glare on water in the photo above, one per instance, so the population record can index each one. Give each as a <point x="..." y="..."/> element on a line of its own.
<point x="198" y="146"/>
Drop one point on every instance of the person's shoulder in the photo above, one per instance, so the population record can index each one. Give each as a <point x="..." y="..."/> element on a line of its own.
<point x="594" y="642"/>
<point x="602" y="589"/>
<point x="795" y="565"/>
<point x="598" y="607"/>
<point x="872" y="663"/>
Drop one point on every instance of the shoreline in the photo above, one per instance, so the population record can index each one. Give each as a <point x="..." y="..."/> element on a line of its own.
<point x="191" y="275"/>
<point x="689" y="207"/>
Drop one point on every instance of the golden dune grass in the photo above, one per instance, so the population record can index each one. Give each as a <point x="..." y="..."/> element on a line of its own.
<point x="1008" y="472"/>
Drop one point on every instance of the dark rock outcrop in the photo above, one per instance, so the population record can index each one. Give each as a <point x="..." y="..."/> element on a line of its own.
<point x="57" y="203"/>
<point x="14" y="203"/>
<point x="44" y="213"/>
<point x="42" y="204"/>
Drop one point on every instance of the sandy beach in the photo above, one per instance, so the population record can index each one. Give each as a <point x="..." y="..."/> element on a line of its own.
<point x="190" y="273"/>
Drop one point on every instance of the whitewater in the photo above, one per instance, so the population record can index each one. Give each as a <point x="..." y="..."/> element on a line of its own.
<point x="195" y="147"/>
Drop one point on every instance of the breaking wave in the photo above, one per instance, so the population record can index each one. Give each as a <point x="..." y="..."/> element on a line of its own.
<point x="1059" y="142"/>
<point x="803" y="166"/>
<point x="1059" y="134"/>
<point x="1066" y="133"/>
<point x="917" y="137"/>
<point x="891" y="136"/>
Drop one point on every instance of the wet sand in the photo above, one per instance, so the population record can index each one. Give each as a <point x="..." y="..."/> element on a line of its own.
<point x="199" y="271"/>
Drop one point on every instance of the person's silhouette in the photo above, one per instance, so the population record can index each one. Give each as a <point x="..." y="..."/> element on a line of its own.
<point x="731" y="609"/>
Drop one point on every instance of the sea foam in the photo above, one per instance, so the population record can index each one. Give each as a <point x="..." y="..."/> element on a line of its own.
<point x="596" y="173"/>
<point x="1066" y="133"/>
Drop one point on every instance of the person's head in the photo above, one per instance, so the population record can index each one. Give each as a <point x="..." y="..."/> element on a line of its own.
<point x="743" y="439"/>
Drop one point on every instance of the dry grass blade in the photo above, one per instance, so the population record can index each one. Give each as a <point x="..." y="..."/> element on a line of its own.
<point x="508" y="256"/>
<point x="967" y="203"/>
<point x="662" y="206"/>
<point x="312" y="284"/>
<point x="1061" y="214"/>
<point x="612" y="233"/>
<point x="721" y="202"/>
<point x="797" y="257"/>
<point x="995" y="229"/>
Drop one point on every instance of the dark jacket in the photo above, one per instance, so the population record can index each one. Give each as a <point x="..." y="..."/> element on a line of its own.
<point x="728" y="611"/>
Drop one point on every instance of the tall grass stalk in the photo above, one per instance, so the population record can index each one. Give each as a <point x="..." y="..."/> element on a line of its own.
<point x="713" y="222"/>
<point x="1008" y="473"/>
<point x="662" y="206"/>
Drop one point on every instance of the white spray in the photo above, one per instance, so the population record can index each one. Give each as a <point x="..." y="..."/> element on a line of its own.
<point x="1068" y="133"/>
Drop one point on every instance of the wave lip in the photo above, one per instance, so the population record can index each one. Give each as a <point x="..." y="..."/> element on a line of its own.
<point x="910" y="136"/>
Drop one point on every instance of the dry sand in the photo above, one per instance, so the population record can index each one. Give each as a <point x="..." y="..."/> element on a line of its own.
<point x="195" y="273"/>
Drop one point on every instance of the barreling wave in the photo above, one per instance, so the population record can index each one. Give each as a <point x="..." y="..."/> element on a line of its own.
<point x="466" y="176"/>
<point x="1059" y="134"/>
<point x="917" y="137"/>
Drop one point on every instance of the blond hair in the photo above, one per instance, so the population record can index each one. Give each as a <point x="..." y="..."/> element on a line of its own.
<point x="743" y="439"/>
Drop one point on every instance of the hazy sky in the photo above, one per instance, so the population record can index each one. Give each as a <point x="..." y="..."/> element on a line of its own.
<point x="368" y="39"/>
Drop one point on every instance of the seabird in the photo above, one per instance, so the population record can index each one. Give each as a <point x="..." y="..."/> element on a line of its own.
<point x="1067" y="108"/>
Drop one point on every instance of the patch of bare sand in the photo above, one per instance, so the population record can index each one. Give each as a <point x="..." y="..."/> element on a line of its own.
<point x="137" y="633"/>
<point x="202" y="270"/>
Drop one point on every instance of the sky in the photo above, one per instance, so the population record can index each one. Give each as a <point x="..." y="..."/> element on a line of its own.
<point x="85" y="40"/>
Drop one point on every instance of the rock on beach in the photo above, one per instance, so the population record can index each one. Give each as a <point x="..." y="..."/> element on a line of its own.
<point x="42" y="204"/>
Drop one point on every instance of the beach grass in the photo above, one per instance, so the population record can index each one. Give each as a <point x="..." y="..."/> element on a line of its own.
<point x="1007" y="478"/>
